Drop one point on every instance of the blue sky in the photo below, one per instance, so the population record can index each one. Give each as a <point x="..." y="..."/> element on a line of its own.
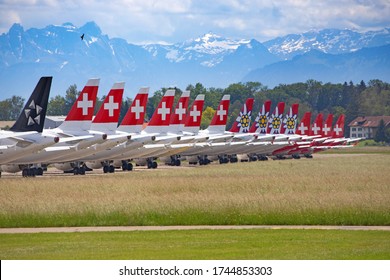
<point x="151" y="21"/>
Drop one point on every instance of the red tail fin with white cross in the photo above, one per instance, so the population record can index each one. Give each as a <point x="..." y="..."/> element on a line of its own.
<point x="304" y="126"/>
<point x="194" y="116"/>
<point x="218" y="123"/>
<point x="134" y="118"/>
<point x="107" y="117"/>
<point x="316" y="128"/>
<point x="243" y="120"/>
<point x="327" y="127"/>
<point x="159" y="123"/>
<point x="179" y="114"/>
<point x="80" y="115"/>
<point x="338" y="129"/>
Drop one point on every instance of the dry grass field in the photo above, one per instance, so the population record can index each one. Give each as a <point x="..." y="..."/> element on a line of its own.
<point x="350" y="189"/>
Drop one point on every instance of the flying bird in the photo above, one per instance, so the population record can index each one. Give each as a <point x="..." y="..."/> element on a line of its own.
<point x="82" y="37"/>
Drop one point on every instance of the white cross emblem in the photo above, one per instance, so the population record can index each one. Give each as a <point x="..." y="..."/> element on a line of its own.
<point x="221" y="112"/>
<point x="85" y="104"/>
<point x="326" y="129"/>
<point x="195" y="114"/>
<point x="302" y="128"/>
<point x="137" y="109"/>
<point x="180" y="111"/>
<point x="163" y="111"/>
<point x="111" y="106"/>
<point x="315" y="129"/>
<point x="337" y="129"/>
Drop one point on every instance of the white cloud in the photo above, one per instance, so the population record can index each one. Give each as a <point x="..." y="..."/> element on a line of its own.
<point x="177" y="20"/>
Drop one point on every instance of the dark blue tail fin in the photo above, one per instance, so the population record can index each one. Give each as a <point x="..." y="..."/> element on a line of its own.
<point x="33" y="115"/>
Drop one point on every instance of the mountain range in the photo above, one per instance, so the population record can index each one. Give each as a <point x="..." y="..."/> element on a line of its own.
<point x="329" y="55"/>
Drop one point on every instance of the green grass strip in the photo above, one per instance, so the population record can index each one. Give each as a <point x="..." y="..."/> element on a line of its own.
<point x="199" y="244"/>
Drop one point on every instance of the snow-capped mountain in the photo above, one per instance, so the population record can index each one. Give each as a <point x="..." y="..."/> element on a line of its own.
<point x="209" y="50"/>
<point x="59" y="51"/>
<point x="332" y="41"/>
<point x="365" y="64"/>
<point x="214" y="61"/>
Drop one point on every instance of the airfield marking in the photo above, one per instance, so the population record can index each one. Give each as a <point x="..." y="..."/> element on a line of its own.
<point x="165" y="228"/>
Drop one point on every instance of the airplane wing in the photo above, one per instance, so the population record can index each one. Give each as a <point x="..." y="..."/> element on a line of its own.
<point x="60" y="148"/>
<point x="5" y="147"/>
<point x="217" y="137"/>
<point x="119" y="136"/>
<point x="17" y="134"/>
<point x="21" y="142"/>
<point x="75" y="139"/>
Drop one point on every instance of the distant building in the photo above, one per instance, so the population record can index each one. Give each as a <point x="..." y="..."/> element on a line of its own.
<point x="366" y="127"/>
<point x="53" y="121"/>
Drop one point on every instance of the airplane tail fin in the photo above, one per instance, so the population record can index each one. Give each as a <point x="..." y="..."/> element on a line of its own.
<point x="179" y="114"/>
<point x="162" y="115"/>
<point x="316" y="128"/>
<point x="33" y="115"/>
<point x="134" y="118"/>
<point x="338" y="129"/>
<point x="289" y="125"/>
<point x="304" y="126"/>
<point x="81" y="113"/>
<point x="194" y="117"/>
<point x="218" y="123"/>
<point x="107" y="117"/>
<point x="261" y="121"/>
<point x="275" y="120"/>
<point x="327" y="127"/>
<point x="243" y="120"/>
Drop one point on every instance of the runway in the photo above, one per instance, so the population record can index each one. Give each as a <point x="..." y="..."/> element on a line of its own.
<point x="166" y="228"/>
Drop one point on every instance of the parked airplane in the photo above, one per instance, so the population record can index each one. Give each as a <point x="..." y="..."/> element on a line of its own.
<point x="72" y="129"/>
<point x="215" y="133"/>
<point x="131" y="125"/>
<point x="156" y="131"/>
<point x="189" y="128"/>
<point x="104" y="127"/>
<point x="25" y="136"/>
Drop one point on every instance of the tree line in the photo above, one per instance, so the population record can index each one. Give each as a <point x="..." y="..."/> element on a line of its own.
<point x="353" y="100"/>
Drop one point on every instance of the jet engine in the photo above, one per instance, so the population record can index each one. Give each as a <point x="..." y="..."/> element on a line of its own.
<point x="67" y="166"/>
<point x="11" y="168"/>
<point x="94" y="164"/>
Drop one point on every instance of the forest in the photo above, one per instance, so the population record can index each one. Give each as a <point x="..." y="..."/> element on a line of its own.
<point x="361" y="99"/>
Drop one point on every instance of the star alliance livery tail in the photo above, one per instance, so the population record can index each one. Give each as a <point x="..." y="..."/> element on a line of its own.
<point x="32" y="117"/>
